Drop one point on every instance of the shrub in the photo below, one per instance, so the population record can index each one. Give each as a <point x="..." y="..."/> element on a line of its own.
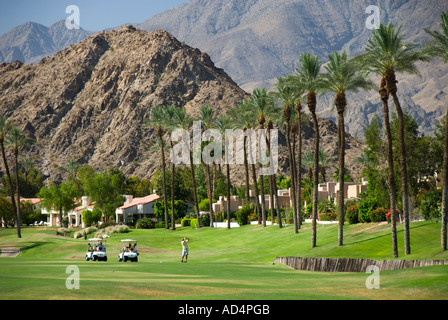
<point x="159" y="224"/>
<point x="145" y="223"/>
<point x="242" y="215"/>
<point x="328" y="216"/>
<point x="364" y="209"/>
<point x="388" y="216"/>
<point x="429" y="204"/>
<point x="204" y="219"/>
<point x="378" y="215"/>
<point x="351" y="214"/>
<point x="204" y="205"/>
<point x="194" y="223"/>
<point x="326" y="206"/>
<point x="91" y="217"/>
<point x="185" y="222"/>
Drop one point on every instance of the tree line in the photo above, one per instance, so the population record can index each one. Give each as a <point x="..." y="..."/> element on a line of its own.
<point x="386" y="55"/>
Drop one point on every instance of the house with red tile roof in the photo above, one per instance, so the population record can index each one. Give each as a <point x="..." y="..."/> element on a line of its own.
<point x="136" y="208"/>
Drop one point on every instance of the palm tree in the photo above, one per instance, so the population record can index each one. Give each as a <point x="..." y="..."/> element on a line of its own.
<point x="185" y="122"/>
<point x="308" y="163"/>
<point x="384" y="95"/>
<point x="169" y="124"/>
<point x="5" y="127"/>
<point x="298" y="107"/>
<point x="222" y="124"/>
<point x="27" y="164"/>
<point x="309" y="75"/>
<point x="244" y="119"/>
<point x="438" y="47"/>
<point x="206" y="117"/>
<point x="341" y="77"/>
<point x="159" y="121"/>
<point x="287" y="94"/>
<point x="386" y="54"/>
<point x="15" y="141"/>
<point x="264" y="108"/>
<point x="71" y="168"/>
<point x="325" y="161"/>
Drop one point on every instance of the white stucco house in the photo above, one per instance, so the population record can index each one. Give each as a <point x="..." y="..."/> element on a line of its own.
<point x="136" y="208"/>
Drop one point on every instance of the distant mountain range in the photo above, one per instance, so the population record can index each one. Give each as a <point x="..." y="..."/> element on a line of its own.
<point x="30" y="42"/>
<point x="256" y="41"/>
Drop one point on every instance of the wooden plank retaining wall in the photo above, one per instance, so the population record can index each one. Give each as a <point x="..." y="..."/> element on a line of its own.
<point x="352" y="265"/>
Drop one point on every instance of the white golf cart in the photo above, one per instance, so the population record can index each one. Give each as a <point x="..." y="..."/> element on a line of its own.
<point x="97" y="250"/>
<point x="129" y="251"/>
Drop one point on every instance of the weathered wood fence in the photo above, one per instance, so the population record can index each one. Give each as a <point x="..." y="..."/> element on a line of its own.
<point x="352" y="265"/>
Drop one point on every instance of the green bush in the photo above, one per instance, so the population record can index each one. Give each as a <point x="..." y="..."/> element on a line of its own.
<point x="194" y="223"/>
<point x="145" y="223"/>
<point x="91" y="217"/>
<point x="242" y="215"/>
<point x="185" y="222"/>
<point x="159" y="224"/>
<point x="204" y="205"/>
<point x="328" y="216"/>
<point x="364" y="209"/>
<point x="428" y="204"/>
<point x="204" y="219"/>
<point x="378" y="215"/>
<point x="351" y="214"/>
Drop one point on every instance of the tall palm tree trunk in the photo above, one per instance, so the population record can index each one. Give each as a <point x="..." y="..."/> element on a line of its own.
<point x="296" y="186"/>
<point x="341" y="102"/>
<point x="246" y="170"/>
<point x="19" y="232"/>
<point x="391" y="83"/>
<point x="8" y="175"/>
<point x="292" y="194"/>
<point x="312" y="107"/>
<point x="165" y="200"/>
<point x="263" y="202"/>
<point x="210" y="194"/>
<point x="299" y="164"/>
<point x="257" y="194"/>
<point x="195" y="190"/>
<point x="445" y="188"/>
<point x="254" y="178"/>
<point x="272" y="180"/>
<point x="228" y="194"/>
<point x="390" y="160"/>
<point x="173" y="172"/>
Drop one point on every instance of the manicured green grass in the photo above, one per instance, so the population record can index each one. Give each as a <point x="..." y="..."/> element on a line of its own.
<point x="234" y="264"/>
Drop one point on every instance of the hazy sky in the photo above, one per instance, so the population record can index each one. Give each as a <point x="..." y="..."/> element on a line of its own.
<point x="95" y="15"/>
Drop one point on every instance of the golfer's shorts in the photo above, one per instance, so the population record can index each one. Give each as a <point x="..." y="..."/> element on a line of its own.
<point x="184" y="252"/>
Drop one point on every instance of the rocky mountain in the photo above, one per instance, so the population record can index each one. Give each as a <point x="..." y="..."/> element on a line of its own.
<point x="30" y="42"/>
<point x="90" y="101"/>
<point x="256" y="41"/>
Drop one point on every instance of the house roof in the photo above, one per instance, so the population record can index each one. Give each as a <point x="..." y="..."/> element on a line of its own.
<point x="33" y="200"/>
<point x="142" y="200"/>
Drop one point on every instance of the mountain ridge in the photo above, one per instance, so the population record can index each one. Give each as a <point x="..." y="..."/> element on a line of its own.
<point x="260" y="40"/>
<point x="90" y="101"/>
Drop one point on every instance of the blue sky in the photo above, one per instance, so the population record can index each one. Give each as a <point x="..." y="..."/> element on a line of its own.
<point x="95" y="15"/>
